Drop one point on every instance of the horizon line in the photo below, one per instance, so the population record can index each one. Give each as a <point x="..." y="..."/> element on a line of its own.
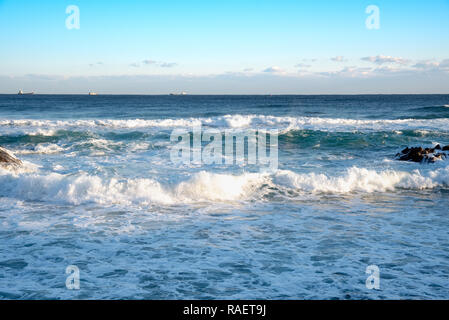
<point x="223" y="94"/>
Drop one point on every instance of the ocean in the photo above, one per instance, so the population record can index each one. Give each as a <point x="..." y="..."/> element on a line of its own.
<point x="98" y="191"/>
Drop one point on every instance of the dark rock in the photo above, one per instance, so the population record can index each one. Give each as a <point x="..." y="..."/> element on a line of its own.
<point x="8" y="159"/>
<point x="446" y="148"/>
<point x="419" y="154"/>
<point x="412" y="154"/>
<point x="441" y="155"/>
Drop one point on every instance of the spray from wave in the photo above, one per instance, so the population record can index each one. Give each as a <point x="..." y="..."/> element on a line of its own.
<point x="209" y="187"/>
<point x="363" y="180"/>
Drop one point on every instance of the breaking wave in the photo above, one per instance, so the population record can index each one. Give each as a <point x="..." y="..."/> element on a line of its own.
<point x="230" y="121"/>
<point x="363" y="180"/>
<point x="210" y="187"/>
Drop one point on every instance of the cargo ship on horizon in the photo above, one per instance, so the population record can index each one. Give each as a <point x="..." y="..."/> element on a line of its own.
<point x="20" y="93"/>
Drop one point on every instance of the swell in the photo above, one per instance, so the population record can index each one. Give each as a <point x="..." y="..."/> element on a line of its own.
<point x="443" y="108"/>
<point x="60" y="141"/>
<point x="67" y="142"/>
<point x="427" y="113"/>
<point x="303" y="139"/>
<point x="38" y="136"/>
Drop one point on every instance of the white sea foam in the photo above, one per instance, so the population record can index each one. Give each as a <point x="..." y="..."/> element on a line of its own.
<point x="41" y="132"/>
<point x="102" y="144"/>
<point x="233" y="121"/>
<point x="209" y="187"/>
<point x="363" y="180"/>
<point x="131" y="123"/>
<point x="80" y="189"/>
<point x="25" y="167"/>
<point x="139" y="146"/>
<point x="205" y="186"/>
<point x="84" y="188"/>
<point x="43" y="148"/>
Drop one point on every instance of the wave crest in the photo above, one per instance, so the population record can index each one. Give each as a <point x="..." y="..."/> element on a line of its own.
<point x="233" y="121"/>
<point x="363" y="180"/>
<point x="209" y="187"/>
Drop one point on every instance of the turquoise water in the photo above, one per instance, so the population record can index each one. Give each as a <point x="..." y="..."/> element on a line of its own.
<point x="98" y="190"/>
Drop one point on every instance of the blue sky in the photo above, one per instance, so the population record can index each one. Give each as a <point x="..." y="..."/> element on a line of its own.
<point x="139" y="46"/>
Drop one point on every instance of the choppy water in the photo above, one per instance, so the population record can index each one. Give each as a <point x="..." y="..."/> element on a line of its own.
<point x="99" y="191"/>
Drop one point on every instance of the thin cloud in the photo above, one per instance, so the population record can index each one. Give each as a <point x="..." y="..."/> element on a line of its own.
<point x="444" y="64"/>
<point x="273" y="69"/>
<point x="349" y="72"/>
<point x="339" y="59"/>
<point x="427" y="65"/>
<point x="95" y="64"/>
<point x="380" y="59"/>
<point x="160" y="64"/>
<point x="388" y="69"/>
<point x="168" y="64"/>
<point x="46" y="77"/>
<point x="347" y="80"/>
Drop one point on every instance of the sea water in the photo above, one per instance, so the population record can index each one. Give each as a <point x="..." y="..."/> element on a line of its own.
<point x="99" y="191"/>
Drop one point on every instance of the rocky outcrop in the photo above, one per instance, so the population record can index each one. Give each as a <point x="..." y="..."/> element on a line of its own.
<point x="420" y="154"/>
<point x="8" y="159"/>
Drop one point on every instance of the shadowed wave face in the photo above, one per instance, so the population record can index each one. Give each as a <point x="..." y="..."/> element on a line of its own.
<point x="97" y="190"/>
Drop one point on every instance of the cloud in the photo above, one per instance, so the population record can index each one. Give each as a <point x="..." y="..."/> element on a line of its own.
<point x="95" y="64"/>
<point x="167" y="64"/>
<point x="273" y="69"/>
<point x="161" y="64"/>
<point x="349" y="72"/>
<point x="380" y="59"/>
<point x="427" y="65"/>
<point x="46" y="77"/>
<point x="302" y="65"/>
<point x="444" y="64"/>
<point x="348" y="80"/>
<point x="339" y="59"/>
<point x="388" y="70"/>
<point x="248" y="69"/>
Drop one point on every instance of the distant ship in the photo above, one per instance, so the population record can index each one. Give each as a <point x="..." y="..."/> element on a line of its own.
<point x="92" y="93"/>
<point x="183" y="93"/>
<point x="20" y="93"/>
